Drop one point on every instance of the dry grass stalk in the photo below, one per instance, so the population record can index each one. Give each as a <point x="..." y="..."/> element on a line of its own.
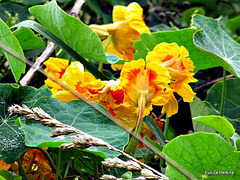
<point x="82" y="140"/>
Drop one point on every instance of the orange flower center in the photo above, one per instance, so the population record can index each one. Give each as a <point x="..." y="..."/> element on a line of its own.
<point x="78" y="88"/>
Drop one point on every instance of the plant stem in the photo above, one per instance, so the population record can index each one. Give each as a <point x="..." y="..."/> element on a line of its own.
<point x="66" y="171"/>
<point x="223" y="97"/>
<point x="166" y="127"/>
<point x="100" y="67"/>
<point x="20" y="166"/>
<point x="95" y="171"/>
<point x="58" y="164"/>
<point x="131" y="147"/>
<point x="49" y="159"/>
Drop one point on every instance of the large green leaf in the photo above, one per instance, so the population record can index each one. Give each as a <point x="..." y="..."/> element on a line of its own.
<point x="232" y="103"/>
<point x="200" y="108"/>
<point x="182" y="38"/>
<point x="81" y="116"/>
<point x="217" y="43"/>
<point x="50" y="36"/>
<point x="12" y="138"/>
<point x="203" y="153"/>
<point x="32" y="2"/>
<point x="27" y="39"/>
<point x="220" y="124"/>
<point x="233" y="24"/>
<point x="188" y="13"/>
<point x="8" y="41"/>
<point x="70" y="30"/>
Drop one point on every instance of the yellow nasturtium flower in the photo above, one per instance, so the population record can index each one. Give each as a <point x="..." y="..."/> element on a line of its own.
<point x="128" y="24"/>
<point x="75" y="78"/>
<point x="55" y="67"/>
<point x="145" y="85"/>
<point x="180" y="67"/>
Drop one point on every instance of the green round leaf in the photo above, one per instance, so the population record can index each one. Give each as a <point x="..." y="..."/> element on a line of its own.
<point x="81" y="116"/>
<point x="204" y="155"/>
<point x="187" y="14"/>
<point x="10" y="42"/>
<point x="233" y="24"/>
<point x="70" y="30"/>
<point x="217" y="43"/>
<point x="238" y="143"/>
<point x="12" y="142"/>
<point x="220" y="124"/>
<point x="232" y="103"/>
<point x="27" y="39"/>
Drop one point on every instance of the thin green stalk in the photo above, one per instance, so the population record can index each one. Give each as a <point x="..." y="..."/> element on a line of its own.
<point x="223" y="96"/>
<point x="20" y="166"/>
<point x="50" y="160"/>
<point x="95" y="171"/>
<point x="131" y="147"/>
<point x="58" y="164"/>
<point x="166" y="127"/>
<point x="100" y="67"/>
<point x="66" y="171"/>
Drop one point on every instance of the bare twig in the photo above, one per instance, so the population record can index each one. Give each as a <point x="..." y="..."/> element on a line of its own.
<point x="76" y="8"/>
<point x="38" y="64"/>
<point x="49" y="49"/>
<point x="211" y="82"/>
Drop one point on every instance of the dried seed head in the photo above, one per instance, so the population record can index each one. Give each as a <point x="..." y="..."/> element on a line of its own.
<point x="61" y="131"/>
<point x="148" y="174"/>
<point x="83" y="142"/>
<point x="131" y="165"/>
<point x="40" y="113"/>
<point x="16" y="109"/>
<point x="108" y="177"/>
<point x="116" y="162"/>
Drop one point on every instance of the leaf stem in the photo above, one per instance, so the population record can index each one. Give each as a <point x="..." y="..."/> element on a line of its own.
<point x="166" y="127"/>
<point x="66" y="170"/>
<point x="95" y="171"/>
<point x="100" y="67"/>
<point x="58" y="164"/>
<point x="49" y="159"/>
<point x="20" y="166"/>
<point x="131" y="147"/>
<point x="223" y="96"/>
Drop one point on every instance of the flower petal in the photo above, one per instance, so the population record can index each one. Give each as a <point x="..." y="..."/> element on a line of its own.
<point x="171" y="107"/>
<point x="134" y="16"/>
<point x="186" y="92"/>
<point x="119" y="13"/>
<point x="65" y="96"/>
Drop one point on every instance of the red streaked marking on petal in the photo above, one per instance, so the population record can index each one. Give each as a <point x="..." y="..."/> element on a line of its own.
<point x="62" y="72"/>
<point x="181" y="66"/>
<point x="118" y="95"/>
<point x="168" y="57"/>
<point x="152" y="76"/>
<point x="132" y="74"/>
<point x="111" y="111"/>
<point x="94" y="91"/>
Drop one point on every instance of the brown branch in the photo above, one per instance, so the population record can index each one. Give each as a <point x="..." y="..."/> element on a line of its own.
<point x="211" y="82"/>
<point x="50" y="48"/>
<point x="38" y="64"/>
<point x="76" y="8"/>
